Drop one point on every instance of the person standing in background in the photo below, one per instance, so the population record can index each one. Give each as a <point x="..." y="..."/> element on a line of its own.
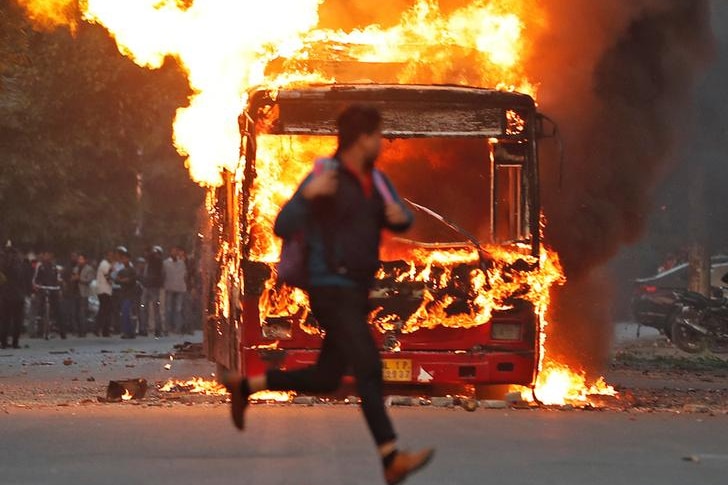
<point x="13" y="291"/>
<point x="193" y="304"/>
<point x="86" y="275"/>
<point x="47" y="283"/>
<point x="116" y="266"/>
<point x="126" y="278"/>
<point x="152" y="280"/>
<point x="175" y="288"/>
<point x="70" y="293"/>
<point x="140" y="266"/>
<point x="103" y="290"/>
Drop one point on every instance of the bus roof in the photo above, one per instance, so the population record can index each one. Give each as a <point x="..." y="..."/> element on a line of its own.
<point x="408" y="110"/>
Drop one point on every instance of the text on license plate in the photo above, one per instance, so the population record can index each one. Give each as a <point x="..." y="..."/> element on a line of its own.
<point x="398" y="370"/>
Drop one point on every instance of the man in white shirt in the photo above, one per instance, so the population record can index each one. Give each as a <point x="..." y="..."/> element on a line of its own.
<point x="175" y="288"/>
<point x="103" y="290"/>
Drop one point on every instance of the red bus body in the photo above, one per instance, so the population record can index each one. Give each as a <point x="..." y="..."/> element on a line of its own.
<point x="503" y="350"/>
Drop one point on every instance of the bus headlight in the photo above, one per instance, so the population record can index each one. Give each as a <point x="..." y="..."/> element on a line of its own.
<point x="505" y="331"/>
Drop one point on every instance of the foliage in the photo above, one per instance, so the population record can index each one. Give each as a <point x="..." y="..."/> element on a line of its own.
<point x="78" y="123"/>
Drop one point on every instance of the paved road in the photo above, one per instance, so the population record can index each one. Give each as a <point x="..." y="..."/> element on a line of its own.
<point x="52" y="431"/>
<point x="126" y="444"/>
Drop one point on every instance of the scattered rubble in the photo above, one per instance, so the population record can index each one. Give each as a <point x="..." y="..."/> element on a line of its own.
<point x="468" y="404"/>
<point x="402" y="401"/>
<point x="352" y="400"/>
<point x="189" y="350"/>
<point x="647" y="382"/>
<point x="696" y="408"/>
<point x="443" y="402"/>
<point x="126" y="390"/>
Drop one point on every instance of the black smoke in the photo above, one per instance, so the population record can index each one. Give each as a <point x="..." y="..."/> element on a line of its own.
<point x="620" y="80"/>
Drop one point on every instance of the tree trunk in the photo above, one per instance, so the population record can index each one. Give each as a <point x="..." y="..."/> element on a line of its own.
<point x="698" y="254"/>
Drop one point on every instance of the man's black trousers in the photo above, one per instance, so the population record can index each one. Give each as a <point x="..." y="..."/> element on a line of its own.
<point x="348" y="344"/>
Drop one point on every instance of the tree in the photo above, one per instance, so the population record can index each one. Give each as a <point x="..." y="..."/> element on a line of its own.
<point x="78" y="123"/>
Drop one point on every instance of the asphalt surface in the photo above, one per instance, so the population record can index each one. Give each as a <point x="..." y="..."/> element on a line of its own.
<point x="54" y="430"/>
<point x="328" y="445"/>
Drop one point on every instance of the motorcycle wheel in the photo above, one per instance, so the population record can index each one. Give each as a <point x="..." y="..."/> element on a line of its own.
<point x="686" y="338"/>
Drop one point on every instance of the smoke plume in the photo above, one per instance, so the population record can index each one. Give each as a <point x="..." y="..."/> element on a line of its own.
<point x="619" y="79"/>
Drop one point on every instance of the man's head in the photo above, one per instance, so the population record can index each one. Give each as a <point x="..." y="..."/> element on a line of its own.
<point x="81" y="259"/>
<point x="124" y="257"/>
<point x="47" y="256"/>
<point x="122" y="254"/>
<point x="120" y="251"/>
<point x="360" y="132"/>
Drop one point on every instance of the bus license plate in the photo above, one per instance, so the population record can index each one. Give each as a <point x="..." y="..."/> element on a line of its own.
<point x="397" y="370"/>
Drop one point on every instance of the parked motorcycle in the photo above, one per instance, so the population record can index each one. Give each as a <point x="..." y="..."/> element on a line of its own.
<point x="699" y="323"/>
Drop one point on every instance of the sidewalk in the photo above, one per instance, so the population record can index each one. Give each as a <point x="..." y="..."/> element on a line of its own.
<point x="70" y="371"/>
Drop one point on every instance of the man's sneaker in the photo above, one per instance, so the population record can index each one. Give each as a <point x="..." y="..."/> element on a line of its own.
<point x="406" y="463"/>
<point x="239" y="394"/>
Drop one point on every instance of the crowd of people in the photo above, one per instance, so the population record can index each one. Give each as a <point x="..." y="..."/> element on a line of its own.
<point x="151" y="295"/>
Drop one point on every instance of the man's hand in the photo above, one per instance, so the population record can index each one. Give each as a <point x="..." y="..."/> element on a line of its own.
<point x="321" y="185"/>
<point x="396" y="214"/>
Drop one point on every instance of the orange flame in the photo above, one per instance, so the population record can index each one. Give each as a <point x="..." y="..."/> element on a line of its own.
<point x="51" y="13"/>
<point x="228" y="46"/>
<point x="225" y="47"/>
<point x="200" y="385"/>
<point x="195" y="385"/>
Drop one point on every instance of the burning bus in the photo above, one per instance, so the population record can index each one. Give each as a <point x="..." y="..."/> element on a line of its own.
<point x="460" y="300"/>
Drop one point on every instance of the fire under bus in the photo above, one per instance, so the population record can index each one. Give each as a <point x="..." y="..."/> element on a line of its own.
<point x="460" y="299"/>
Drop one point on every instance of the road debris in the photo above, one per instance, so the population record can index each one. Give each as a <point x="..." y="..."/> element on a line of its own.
<point x="401" y="401"/>
<point x="125" y="390"/>
<point x="493" y="404"/>
<point x="696" y="408"/>
<point x="443" y="402"/>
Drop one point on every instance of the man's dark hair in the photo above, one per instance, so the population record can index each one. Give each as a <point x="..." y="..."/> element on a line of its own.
<point x="357" y="120"/>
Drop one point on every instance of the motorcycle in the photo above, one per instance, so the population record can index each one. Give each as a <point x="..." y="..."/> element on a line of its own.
<point x="699" y="323"/>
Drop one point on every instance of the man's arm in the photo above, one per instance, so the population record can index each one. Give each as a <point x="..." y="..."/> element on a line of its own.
<point x="398" y="218"/>
<point x="294" y="213"/>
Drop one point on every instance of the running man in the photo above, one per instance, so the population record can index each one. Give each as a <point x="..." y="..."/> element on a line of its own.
<point x="341" y="211"/>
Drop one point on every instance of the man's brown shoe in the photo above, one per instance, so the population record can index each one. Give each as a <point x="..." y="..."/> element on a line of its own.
<point x="405" y="463"/>
<point x="238" y="398"/>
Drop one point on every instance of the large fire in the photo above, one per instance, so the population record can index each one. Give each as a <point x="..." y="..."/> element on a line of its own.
<point x="230" y="46"/>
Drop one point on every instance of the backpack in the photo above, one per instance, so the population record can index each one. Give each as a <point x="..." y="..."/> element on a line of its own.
<point x="293" y="265"/>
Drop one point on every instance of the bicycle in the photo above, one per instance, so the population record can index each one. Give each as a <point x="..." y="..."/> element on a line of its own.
<point x="45" y="310"/>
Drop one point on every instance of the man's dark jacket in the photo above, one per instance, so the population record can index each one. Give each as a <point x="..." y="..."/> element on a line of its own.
<point x="342" y="231"/>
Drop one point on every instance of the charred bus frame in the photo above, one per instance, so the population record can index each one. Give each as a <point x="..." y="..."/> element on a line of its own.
<point x="233" y="332"/>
